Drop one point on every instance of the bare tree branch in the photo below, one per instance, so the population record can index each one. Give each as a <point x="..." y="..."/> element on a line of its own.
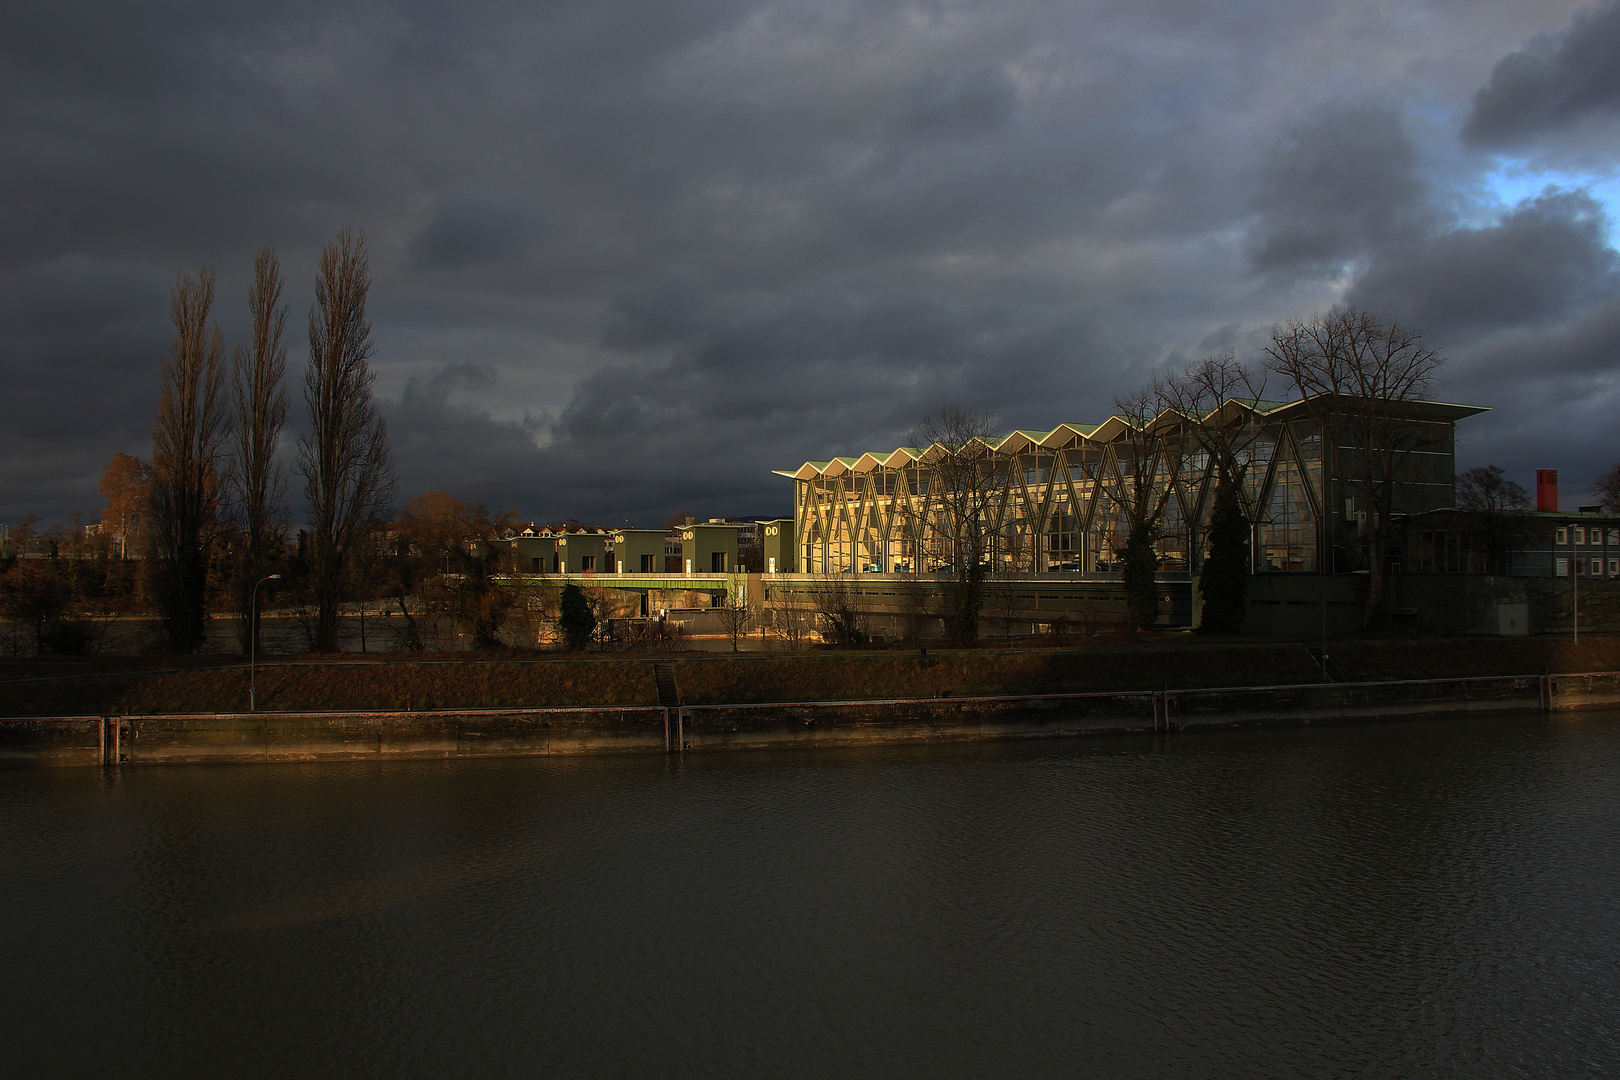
<point x="1357" y="376"/>
<point x="967" y="481"/>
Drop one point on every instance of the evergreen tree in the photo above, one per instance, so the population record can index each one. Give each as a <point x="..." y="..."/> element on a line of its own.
<point x="1225" y="579"/>
<point x="1141" y="591"/>
<point x="575" y="617"/>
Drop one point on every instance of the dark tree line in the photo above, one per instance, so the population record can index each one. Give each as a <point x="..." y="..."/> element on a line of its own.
<point x="214" y="452"/>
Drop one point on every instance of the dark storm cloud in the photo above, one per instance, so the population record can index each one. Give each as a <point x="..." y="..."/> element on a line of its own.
<point x="1557" y="391"/>
<point x="957" y="105"/>
<point x="440" y="444"/>
<point x="631" y="255"/>
<point x="1342" y="183"/>
<point x="475" y="227"/>
<point x="80" y="343"/>
<point x="838" y="368"/>
<point x="1547" y="259"/>
<point x="1554" y="82"/>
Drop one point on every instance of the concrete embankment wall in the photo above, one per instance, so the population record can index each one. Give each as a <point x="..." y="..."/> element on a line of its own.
<point x="130" y="740"/>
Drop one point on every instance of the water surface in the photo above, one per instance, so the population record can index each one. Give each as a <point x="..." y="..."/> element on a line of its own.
<point x="1432" y="899"/>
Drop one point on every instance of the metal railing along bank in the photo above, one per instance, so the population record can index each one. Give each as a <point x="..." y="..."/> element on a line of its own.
<point x="673" y="727"/>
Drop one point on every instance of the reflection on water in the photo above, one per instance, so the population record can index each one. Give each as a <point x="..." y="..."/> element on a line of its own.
<point x="1399" y="900"/>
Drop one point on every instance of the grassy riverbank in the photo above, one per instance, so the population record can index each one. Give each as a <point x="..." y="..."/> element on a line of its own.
<point x="109" y="686"/>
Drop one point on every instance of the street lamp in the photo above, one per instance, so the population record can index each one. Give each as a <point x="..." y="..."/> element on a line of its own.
<point x="253" y="640"/>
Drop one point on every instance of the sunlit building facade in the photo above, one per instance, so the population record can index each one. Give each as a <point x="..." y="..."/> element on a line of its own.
<point x="1054" y="502"/>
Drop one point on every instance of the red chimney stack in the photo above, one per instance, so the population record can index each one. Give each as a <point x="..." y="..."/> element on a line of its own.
<point x="1547" y="489"/>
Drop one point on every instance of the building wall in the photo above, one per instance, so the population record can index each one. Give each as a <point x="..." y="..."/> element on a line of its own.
<point x="700" y="544"/>
<point x="777" y="544"/>
<point x="584" y="553"/>
<point x="634" y="547"/>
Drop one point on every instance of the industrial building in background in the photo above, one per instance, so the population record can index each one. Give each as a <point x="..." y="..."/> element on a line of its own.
<point x="876" y="537"/>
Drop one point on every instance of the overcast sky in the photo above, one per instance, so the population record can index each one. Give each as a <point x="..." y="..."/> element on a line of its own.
<point x="631" y="256"/>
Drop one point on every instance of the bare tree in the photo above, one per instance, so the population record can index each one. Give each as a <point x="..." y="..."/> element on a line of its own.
<point x="1358" y="377"/>
<point x="967" y="485"/>
<point x="1148" y="462"/>
<point x="1608" y="490"/>
<point x="344" y="459"/>
<point x="1200" y="394"/>
<point x="737" y="616"/>
<point x="127" y="488"/>
<point x="1500" y="507"/>
<point x="1486" y="489"/>
<point x="839" y="616"/>
<point x="259" y="403"/>
<point x="792" y="623"/>
<point x="186" y="444"/>
<point x="1223" y="434"/>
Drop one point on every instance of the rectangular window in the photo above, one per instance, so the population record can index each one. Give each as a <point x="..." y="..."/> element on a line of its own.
<point x="1561" y="567"/>
<point x="534" y="564"/>
<point x="647" y="564"/>
<point x="1580" y="567"/>
<point x="717" y="562"/>
<point x="587" y="564"/>
<point x="1580" y="534"/>
<point x="1614" y="568"/>
<point x="1614" y="537"/>
<point x="1562" y="537"/>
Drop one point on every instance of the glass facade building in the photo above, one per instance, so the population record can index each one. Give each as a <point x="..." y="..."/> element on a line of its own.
<point x="1061" y="501"/>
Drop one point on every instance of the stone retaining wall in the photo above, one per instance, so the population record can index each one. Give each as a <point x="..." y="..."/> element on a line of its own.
<point x="175" y="739"/>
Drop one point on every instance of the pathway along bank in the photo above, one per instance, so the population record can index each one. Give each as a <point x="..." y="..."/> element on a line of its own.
<point x="348" y="736"/>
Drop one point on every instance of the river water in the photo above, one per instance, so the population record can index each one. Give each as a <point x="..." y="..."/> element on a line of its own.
<point x="1425" y="899"/>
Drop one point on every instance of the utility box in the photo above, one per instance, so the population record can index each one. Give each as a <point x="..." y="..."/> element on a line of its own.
<point x="776" y="543"/>
<point x="1513" y="619"/>
<point x="709" y="549"/>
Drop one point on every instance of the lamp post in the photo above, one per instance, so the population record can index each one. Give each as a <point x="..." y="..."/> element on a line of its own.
<point x="253" y="641"/>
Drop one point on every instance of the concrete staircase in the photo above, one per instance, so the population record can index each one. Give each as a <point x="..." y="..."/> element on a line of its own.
<point x="669" y="694"/>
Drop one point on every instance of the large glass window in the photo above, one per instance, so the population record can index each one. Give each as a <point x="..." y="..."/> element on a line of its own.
<point x="1288" y="529"/>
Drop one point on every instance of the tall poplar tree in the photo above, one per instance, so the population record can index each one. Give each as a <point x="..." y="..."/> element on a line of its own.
<point x="344" y="458"/>
<point x="186" y="443"/>
<point x="260" y="410"/>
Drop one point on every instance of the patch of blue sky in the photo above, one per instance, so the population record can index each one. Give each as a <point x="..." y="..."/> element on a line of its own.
<point x="1512" y="182"/>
